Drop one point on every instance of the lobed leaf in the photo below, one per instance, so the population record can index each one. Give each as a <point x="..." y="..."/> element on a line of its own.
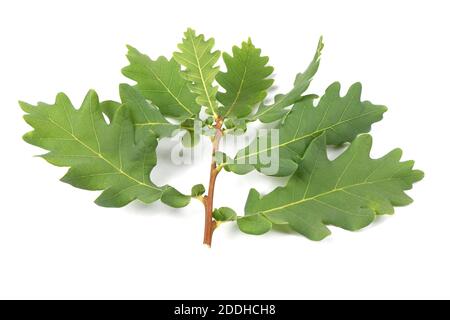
<point x="246" y="80"/>
<point x="347" y="192"/>
<point x="146" y="117"/>
<point x="277" y="110"/>
<point x="161" y="82"/>
<point x="341" y="118"/>
<point x="100" y="156"/>
<point x="198" y="59"/>
<point x="111" y="146"/>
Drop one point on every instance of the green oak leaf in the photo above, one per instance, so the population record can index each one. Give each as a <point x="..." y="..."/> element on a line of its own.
<point x="161" y="82"/>
<point x="111" y="146"/>
<point x="101" y="156"/>
<point x="348" y="192"/>
<point x="224" y="214"/>
<point x="197" y="190"/>
<point x="277" y="110"/>
<point x="246" y="80"/>
<point x="198" y="59"/>
<point x="146" y="117"/>
<point x="174" y="198"/>
<point x="341" y="118"/>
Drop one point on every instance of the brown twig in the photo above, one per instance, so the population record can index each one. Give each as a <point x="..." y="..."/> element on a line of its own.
<point x="208" y="200"/>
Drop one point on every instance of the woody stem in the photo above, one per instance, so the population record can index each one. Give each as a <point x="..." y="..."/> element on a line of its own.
<point x="208" y="200"/>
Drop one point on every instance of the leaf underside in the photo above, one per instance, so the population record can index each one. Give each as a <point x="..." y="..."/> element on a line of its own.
<point x="347" y="192"/>
<point x="341" y="118"/>
<point x="161" y="82"/>
<point x="100" y="156"/>
<point x="146" y="117"/>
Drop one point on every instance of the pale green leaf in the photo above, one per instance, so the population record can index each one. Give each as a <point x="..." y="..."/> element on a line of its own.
<point x="161" y="82"/>
<point x="341" y="118"/>
<point x="276" y="111"/>
<point x="100" y="156"/>
<point x="146" y="117"/>
<point x="347" y="192"/>
<point x="246" y="80"/>
<point x="199" y="61"/>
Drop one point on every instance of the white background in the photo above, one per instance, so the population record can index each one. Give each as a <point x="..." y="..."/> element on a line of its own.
<point x="56" y="243"/>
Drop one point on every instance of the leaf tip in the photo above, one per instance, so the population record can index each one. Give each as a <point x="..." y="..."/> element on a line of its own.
<point x="365" y="139"/>
<point x="189" y="32"/>
<point x="173" y="198"/>
<point x="356" y="86"/>
<point x="26" y="107"/>
<point x="320" y="43"/>
<point x="396" y="154"/>
<point x="320" y="46"/>
<point x="130" y="48"/>
<point x="334" y="88"/>
<point x="418" y="175"/>
<point x="90" y="94"/>
<point x="123" y="89"/>
<point x="28" y="137"/>
<point x="325" y="234"/>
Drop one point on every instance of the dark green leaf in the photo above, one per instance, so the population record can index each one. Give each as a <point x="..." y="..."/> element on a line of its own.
<point x="197" y="190"/>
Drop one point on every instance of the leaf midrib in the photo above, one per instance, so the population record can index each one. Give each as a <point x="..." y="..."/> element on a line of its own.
<point x="247" y="58"/>
<point x="307" y="135"/>
<point x="168" y="90"/>
<point x="342" y="189"/>
<point x="200" y="70"/>
<point x="153" y="124"/>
